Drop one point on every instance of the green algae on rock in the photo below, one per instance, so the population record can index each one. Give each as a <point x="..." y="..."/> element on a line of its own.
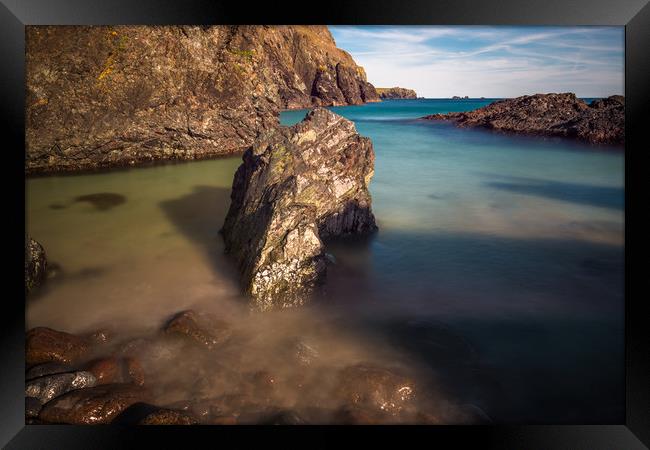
<point x="295" y="187"/>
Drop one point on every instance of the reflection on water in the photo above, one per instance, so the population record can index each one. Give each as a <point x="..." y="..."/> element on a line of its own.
<point x="496" y="278"/>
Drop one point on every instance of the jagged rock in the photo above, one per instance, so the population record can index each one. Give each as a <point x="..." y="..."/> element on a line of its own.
<point x="45" y="344"/>
<point x="375" y="389"/>
<point x="602" y="121"/>
<point x="396" y="93"/>
<point x="96" y="405"/>
<point x="35" y="264"/>
<point x="202" y="328"/>
<point x="105" y="96"/>
<point x="296" y="186"/>
<point x="48" y="387"/>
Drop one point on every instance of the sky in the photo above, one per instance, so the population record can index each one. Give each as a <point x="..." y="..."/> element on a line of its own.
<point x="489" y="61"/>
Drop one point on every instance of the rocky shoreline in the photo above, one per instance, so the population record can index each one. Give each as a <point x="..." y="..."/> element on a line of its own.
<point x="295" y="187"/>
<point x="115" y="96"/>
<point x="395" y="93"/>
<point x="600" y="122"/>
<point x="98" y="378"/>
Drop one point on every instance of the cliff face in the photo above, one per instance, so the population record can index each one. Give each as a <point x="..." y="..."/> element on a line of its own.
<point x="602" y="121"/>
<point x="295" y="187"/>
<point x="111" y="96"/>
<point x="396" y="93"/>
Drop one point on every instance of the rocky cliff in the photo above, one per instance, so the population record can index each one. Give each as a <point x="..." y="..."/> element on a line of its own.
<point x="602" y="121"/>
<point x="111" y="96"/>
<point x="396" y="93"/>
<point x="295" y="187"/>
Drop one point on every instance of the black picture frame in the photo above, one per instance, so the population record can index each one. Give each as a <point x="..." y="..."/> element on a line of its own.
<point x="15" y="14"/>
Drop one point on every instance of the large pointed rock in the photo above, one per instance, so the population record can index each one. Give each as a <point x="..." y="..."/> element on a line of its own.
<point x="297" y="186"/>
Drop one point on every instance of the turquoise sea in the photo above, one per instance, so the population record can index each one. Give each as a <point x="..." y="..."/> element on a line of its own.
<point x="497" y="271"/>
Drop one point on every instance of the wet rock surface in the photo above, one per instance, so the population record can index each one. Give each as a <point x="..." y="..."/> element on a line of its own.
<point x="396" y="93"/>
<point x="51" y="386"/>
<point x="297" y="186"/>
<point x="51" y="368"/>
<point x="204" y="329"/>
<point x="35" y="264"/>
<point x="96" y="405"/>
<point x="44" y="345"/>
<point x="602" y="121"/>
<point x="106" y="96"/>
<point x="33" y="407"/>
<point x="189" y="383"/>
<point x="375" y="389"/>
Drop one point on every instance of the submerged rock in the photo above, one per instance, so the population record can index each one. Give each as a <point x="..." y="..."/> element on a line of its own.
<point x="297" y="186"/>
<point x="96" y="405"/>
<point x="102" y="201"/>
<point x="602" y="121"/>
<point x="35" y="264"/>
<point x="45" y="344"/>
<point x="168" y="417"/>
<point x="48" y="387"/>
<point x="375" y="389"/>
<point x="396" y="93"/>
<point x="202" y="328"/>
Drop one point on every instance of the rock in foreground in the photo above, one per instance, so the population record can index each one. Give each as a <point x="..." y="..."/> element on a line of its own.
<point x="602" y="121"/>
<point x="296" y="186"/>
<point x="396" y="93"/>
<point x="44" y="345"/>
<point x="96" y="405"/>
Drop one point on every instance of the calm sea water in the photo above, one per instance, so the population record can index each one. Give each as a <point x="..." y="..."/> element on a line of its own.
<point x="496" y="274"/>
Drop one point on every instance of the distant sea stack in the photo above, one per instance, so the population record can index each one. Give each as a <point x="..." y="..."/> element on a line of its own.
<point x="124" y="95"/>
<point x="296" y="187"/>
<point x="601" y="121"/>
<point x="396" y="93"/>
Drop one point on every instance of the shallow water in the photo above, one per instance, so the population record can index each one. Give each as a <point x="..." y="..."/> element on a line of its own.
<point x="496" y="277"/>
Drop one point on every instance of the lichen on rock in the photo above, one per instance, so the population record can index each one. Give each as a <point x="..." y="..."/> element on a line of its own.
<point x="35" y="264"/>
<point x="297" y="186"/>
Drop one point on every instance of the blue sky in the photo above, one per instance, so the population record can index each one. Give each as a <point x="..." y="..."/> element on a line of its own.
<point x="489" y="61"/>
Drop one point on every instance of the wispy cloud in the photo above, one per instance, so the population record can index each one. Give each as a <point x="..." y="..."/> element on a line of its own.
<point x="441" y="61"/>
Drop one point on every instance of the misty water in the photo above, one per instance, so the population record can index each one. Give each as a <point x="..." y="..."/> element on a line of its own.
<point x="495" y="279"/>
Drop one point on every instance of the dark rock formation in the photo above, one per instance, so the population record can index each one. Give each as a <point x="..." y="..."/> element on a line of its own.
<point x="602" y="121"/>
<point x="44" y="345"/>
<point x="105" y="96"/>
<point x="396" y="93"/>
<point x="296" y="186"/>
<point x="202" y="328"/>
<point x="35" y="264"/>
<point x="48" y="387"/>
<point x="96" y="405"/>
<point x="33" y="407"/>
